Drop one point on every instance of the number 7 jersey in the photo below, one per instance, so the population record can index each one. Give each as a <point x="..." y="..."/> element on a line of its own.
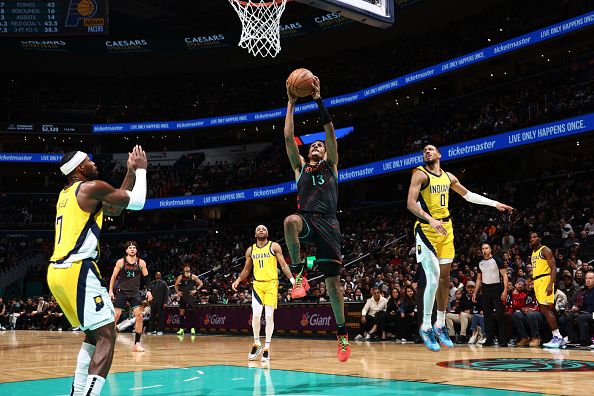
<point x="435" y="195"/>
<point x="77" y="232"/>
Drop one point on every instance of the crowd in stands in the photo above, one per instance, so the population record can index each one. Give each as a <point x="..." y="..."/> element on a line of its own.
<point x="179" y="97"/>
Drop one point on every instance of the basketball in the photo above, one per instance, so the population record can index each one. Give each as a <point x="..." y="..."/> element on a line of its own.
<point x="86" y="8"/>
<point x="301" y="82"/>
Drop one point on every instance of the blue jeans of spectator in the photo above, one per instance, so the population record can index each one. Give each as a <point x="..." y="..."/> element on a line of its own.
<point x="523" y="321"/>
<point x="477" y="319"/>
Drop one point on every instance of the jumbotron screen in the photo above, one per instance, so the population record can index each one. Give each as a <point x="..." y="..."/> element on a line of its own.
<point x="53" y="17"/>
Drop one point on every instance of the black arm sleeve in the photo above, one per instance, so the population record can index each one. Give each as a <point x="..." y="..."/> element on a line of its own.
<point x="324" y="115"/>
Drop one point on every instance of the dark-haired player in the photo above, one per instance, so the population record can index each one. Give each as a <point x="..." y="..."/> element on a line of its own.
<point x="428" y="198"/>
<point x="73" y="276"/>
<point x="544" y="274"/>
<point x="186" y="286"/>
<point x="128" y="275"/>
<point x="317" y="197"/>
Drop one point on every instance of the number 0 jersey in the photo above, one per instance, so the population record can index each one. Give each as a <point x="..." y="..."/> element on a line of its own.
<point x="77" y="232"/>
<point x="265" y="263"/>
<point x="435" y="195"/>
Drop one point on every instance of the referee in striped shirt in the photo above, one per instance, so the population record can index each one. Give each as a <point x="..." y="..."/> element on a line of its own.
<point x="491" y="270"/>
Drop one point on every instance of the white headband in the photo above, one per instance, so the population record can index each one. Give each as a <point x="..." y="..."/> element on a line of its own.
<point x="75" y="161"/>
<point x="263" y="226"/>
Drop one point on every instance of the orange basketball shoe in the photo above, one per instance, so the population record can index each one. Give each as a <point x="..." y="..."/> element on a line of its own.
<point x="344" y="348"/>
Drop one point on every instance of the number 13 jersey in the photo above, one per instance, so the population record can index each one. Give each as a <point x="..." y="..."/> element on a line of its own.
<point x="317" y="189"/>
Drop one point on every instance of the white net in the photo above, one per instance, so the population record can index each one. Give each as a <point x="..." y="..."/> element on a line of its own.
<point x="260" y="20"/>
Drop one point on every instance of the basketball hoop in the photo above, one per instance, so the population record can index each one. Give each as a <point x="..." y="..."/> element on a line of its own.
<point x="260" y="21"/>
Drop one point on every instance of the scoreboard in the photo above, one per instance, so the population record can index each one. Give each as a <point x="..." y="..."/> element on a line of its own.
<point x="53" y="17"/>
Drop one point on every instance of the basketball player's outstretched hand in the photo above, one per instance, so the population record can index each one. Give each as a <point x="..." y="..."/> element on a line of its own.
<point x="503" y="207"/>
<point x="292" y="98"/>
<point x="316" y="88"/>
<point x="139" y="160"/>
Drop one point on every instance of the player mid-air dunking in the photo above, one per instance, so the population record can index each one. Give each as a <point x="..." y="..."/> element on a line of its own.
<point x="127" y="273"/>
<point x="428" y="198"/>
<point x="73" y="276"/>
<point x="317" y="197"/>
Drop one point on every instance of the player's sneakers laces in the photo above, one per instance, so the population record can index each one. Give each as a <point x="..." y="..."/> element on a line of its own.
<point x="428" y="338"/>
<point x="265" y="356"/>
<point x="556" y="342"/>
<point x="193" y="331"/>
<point x="138" y="347"/>
<point x="180" y="332"/>
<point x="442" y="335"/>
<point x="256" y="349"/>
<point x="344" y="349"/>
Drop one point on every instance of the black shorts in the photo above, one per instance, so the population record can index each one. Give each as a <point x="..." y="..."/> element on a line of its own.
<point x="187" y="301"/>
<point x="324" y="233"/>
<point x="123" y="298"/>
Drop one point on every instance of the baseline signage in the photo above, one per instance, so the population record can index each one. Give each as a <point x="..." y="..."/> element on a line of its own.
<point x="290" y="317"/>
<point x="528" y="39"/>
<point x="502" y="141"/>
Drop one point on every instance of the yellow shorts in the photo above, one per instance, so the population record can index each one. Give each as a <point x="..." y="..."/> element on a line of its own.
<point x="78" y="289"/>
<point x="540" y="291"/>
<point x="430" y="242"/>
<point x="265" y="293"/>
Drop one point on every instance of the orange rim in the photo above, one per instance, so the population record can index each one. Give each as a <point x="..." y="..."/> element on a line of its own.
<point x="267" y="4"/>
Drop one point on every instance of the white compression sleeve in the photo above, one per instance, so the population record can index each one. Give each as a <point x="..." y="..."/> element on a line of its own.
<point x="269" y="313"/>
<point x="479" y="199"/>
<point x="138" y="193"/>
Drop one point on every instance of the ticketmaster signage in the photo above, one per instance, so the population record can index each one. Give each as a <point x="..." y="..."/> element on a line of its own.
<point x="547" y="33"/>
<point x="32" y="157"/>
<point x="536" y="134"/>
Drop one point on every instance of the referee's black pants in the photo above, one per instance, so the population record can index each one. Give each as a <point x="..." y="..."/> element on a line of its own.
<point x="157" y="319"/>
<point x="492" y="301"/>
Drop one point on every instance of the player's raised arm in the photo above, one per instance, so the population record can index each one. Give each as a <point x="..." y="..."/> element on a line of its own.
<point x="247" y="268"/>
<point x="98" y="190"/>
<point x="476" y="198"/>
<point x="416" y="183"/>
<point x="331" y="143"/>
<point x="278" y="252"/>
<point x="127" y="184"/>
<point x="292" y="149"/>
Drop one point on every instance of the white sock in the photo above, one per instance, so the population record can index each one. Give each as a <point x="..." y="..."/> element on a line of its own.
<point x="267" y="345"/>
<point x="440" y="322"/>
<point x="556" y="333"/>
<point x="82" y="368"/>
<point x="269" y="312"/>
<point x="257" y="341"/>
<point x="94" y="385"/>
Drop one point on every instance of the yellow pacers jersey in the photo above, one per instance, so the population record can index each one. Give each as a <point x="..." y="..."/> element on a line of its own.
<point x="265" y="264"/>
<point x="77" y="232"/>
<point x="540" y="265"/>
<point x="435" y="196"/>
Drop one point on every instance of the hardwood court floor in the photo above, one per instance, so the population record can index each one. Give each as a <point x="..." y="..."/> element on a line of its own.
<point x="297" y="366"/>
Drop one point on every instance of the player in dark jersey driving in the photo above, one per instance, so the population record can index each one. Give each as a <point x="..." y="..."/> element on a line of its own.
<point x="317" y="197"/>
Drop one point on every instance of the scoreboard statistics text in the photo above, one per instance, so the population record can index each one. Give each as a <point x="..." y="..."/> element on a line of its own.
<point x="53" y="17"/>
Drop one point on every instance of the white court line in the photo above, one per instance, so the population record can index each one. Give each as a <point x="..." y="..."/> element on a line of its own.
<point x="191" y="379"/>
<point x="237" y="379"/>
<point x="146" y="387"/>
<point x="200" y="372"/>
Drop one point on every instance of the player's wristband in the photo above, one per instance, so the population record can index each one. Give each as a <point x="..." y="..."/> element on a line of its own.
<point x="324" y="115"/>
